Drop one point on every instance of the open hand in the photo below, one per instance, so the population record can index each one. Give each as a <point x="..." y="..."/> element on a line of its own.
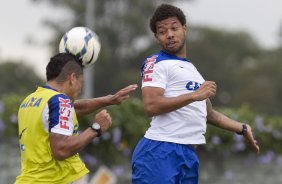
<point x="250" y="139"/>
<point x="122" y="94"/>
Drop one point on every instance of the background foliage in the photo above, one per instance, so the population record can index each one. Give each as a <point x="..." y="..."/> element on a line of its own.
<point x="219" y="157"/>
<point x="244" y="72"/>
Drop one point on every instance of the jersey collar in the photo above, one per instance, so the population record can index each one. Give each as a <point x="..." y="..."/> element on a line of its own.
<point x="167" y="55"/>
<point x="48" y="87"/>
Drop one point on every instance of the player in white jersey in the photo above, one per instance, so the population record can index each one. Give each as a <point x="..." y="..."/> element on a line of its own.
<point x="177" y="97"/>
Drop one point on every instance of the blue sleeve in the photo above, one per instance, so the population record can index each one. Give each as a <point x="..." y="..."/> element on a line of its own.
<point x="60" y="107"/>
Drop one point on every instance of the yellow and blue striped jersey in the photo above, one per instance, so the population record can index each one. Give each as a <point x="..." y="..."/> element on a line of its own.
<point x="44" y="111"/>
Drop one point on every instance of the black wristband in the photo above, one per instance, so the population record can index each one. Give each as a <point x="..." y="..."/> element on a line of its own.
<point x="99" y="132"/>
<point x="244" y="130"/>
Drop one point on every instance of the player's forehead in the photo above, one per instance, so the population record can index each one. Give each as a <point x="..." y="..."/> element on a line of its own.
<point x="167" y="22"/>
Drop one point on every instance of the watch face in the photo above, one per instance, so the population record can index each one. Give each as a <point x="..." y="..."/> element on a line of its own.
<point x="96" y="126"/>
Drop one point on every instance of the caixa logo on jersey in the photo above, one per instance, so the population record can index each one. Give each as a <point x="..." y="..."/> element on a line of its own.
<point x="193" y="86"/>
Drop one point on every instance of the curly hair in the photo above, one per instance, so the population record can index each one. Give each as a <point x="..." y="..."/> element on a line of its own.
<point x="165" y="11"/>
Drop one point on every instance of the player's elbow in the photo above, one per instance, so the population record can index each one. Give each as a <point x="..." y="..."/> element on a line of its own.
<point x="60" y="155"/>
<point x="149" y="113"/>
<point x="150" y="110"/>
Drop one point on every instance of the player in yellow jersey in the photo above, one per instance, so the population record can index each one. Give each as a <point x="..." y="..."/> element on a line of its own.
<point x="48" y="125"/>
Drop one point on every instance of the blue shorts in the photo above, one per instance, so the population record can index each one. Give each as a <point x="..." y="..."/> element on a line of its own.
<point x="156" y="162"/>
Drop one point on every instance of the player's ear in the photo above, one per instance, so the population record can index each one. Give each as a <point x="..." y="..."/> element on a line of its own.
<point x="185" y="27"/>
<point x="72" y="78"/>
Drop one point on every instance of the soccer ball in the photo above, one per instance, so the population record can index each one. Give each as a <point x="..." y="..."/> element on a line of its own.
<point x="81" y="42"/>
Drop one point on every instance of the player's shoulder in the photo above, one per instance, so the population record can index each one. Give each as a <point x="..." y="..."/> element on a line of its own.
<point x="59" y="100"/>
<point x="155" y="58"/>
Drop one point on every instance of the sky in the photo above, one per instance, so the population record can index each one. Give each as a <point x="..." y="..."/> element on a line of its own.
<point x="22" y="24"/>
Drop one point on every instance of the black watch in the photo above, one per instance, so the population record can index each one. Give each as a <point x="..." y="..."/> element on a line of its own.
<point x="97" y="128"/>
<point x="244" y="130"/>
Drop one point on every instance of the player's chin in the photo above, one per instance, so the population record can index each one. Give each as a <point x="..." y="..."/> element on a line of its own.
<point x="172" y="50"/>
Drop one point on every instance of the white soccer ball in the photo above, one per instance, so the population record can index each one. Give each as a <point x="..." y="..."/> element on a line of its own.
<point x="83" y="43"/>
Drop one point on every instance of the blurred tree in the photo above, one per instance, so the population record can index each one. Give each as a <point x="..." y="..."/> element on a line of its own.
<point x="220" y="56"/>
<point x="122" y="26"/>
<point x="9" y="105"/>
<point x="264" y="88"/>
<point x="233" y="59"/>
<point x="245" y="73"/>
<point x="17" y="78"/>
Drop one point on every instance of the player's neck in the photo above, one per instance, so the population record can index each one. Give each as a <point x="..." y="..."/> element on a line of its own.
<point x="182" y="53"/>
<point x="60" y="87"/>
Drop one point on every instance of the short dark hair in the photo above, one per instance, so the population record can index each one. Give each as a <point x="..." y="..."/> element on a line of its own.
<point x="165" y="11"/>
<point x="61" y="65"/>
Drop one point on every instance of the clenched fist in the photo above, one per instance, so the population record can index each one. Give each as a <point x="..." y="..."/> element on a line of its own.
<point x="207" y="90"/>
<point x="104" y="119"/>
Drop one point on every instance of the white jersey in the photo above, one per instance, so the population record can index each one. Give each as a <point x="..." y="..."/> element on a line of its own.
<point x="176" y="76"/>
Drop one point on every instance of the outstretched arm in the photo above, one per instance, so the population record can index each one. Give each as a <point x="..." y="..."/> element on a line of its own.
<point x="220" y="120"/>
<point x="87" y="106"/>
